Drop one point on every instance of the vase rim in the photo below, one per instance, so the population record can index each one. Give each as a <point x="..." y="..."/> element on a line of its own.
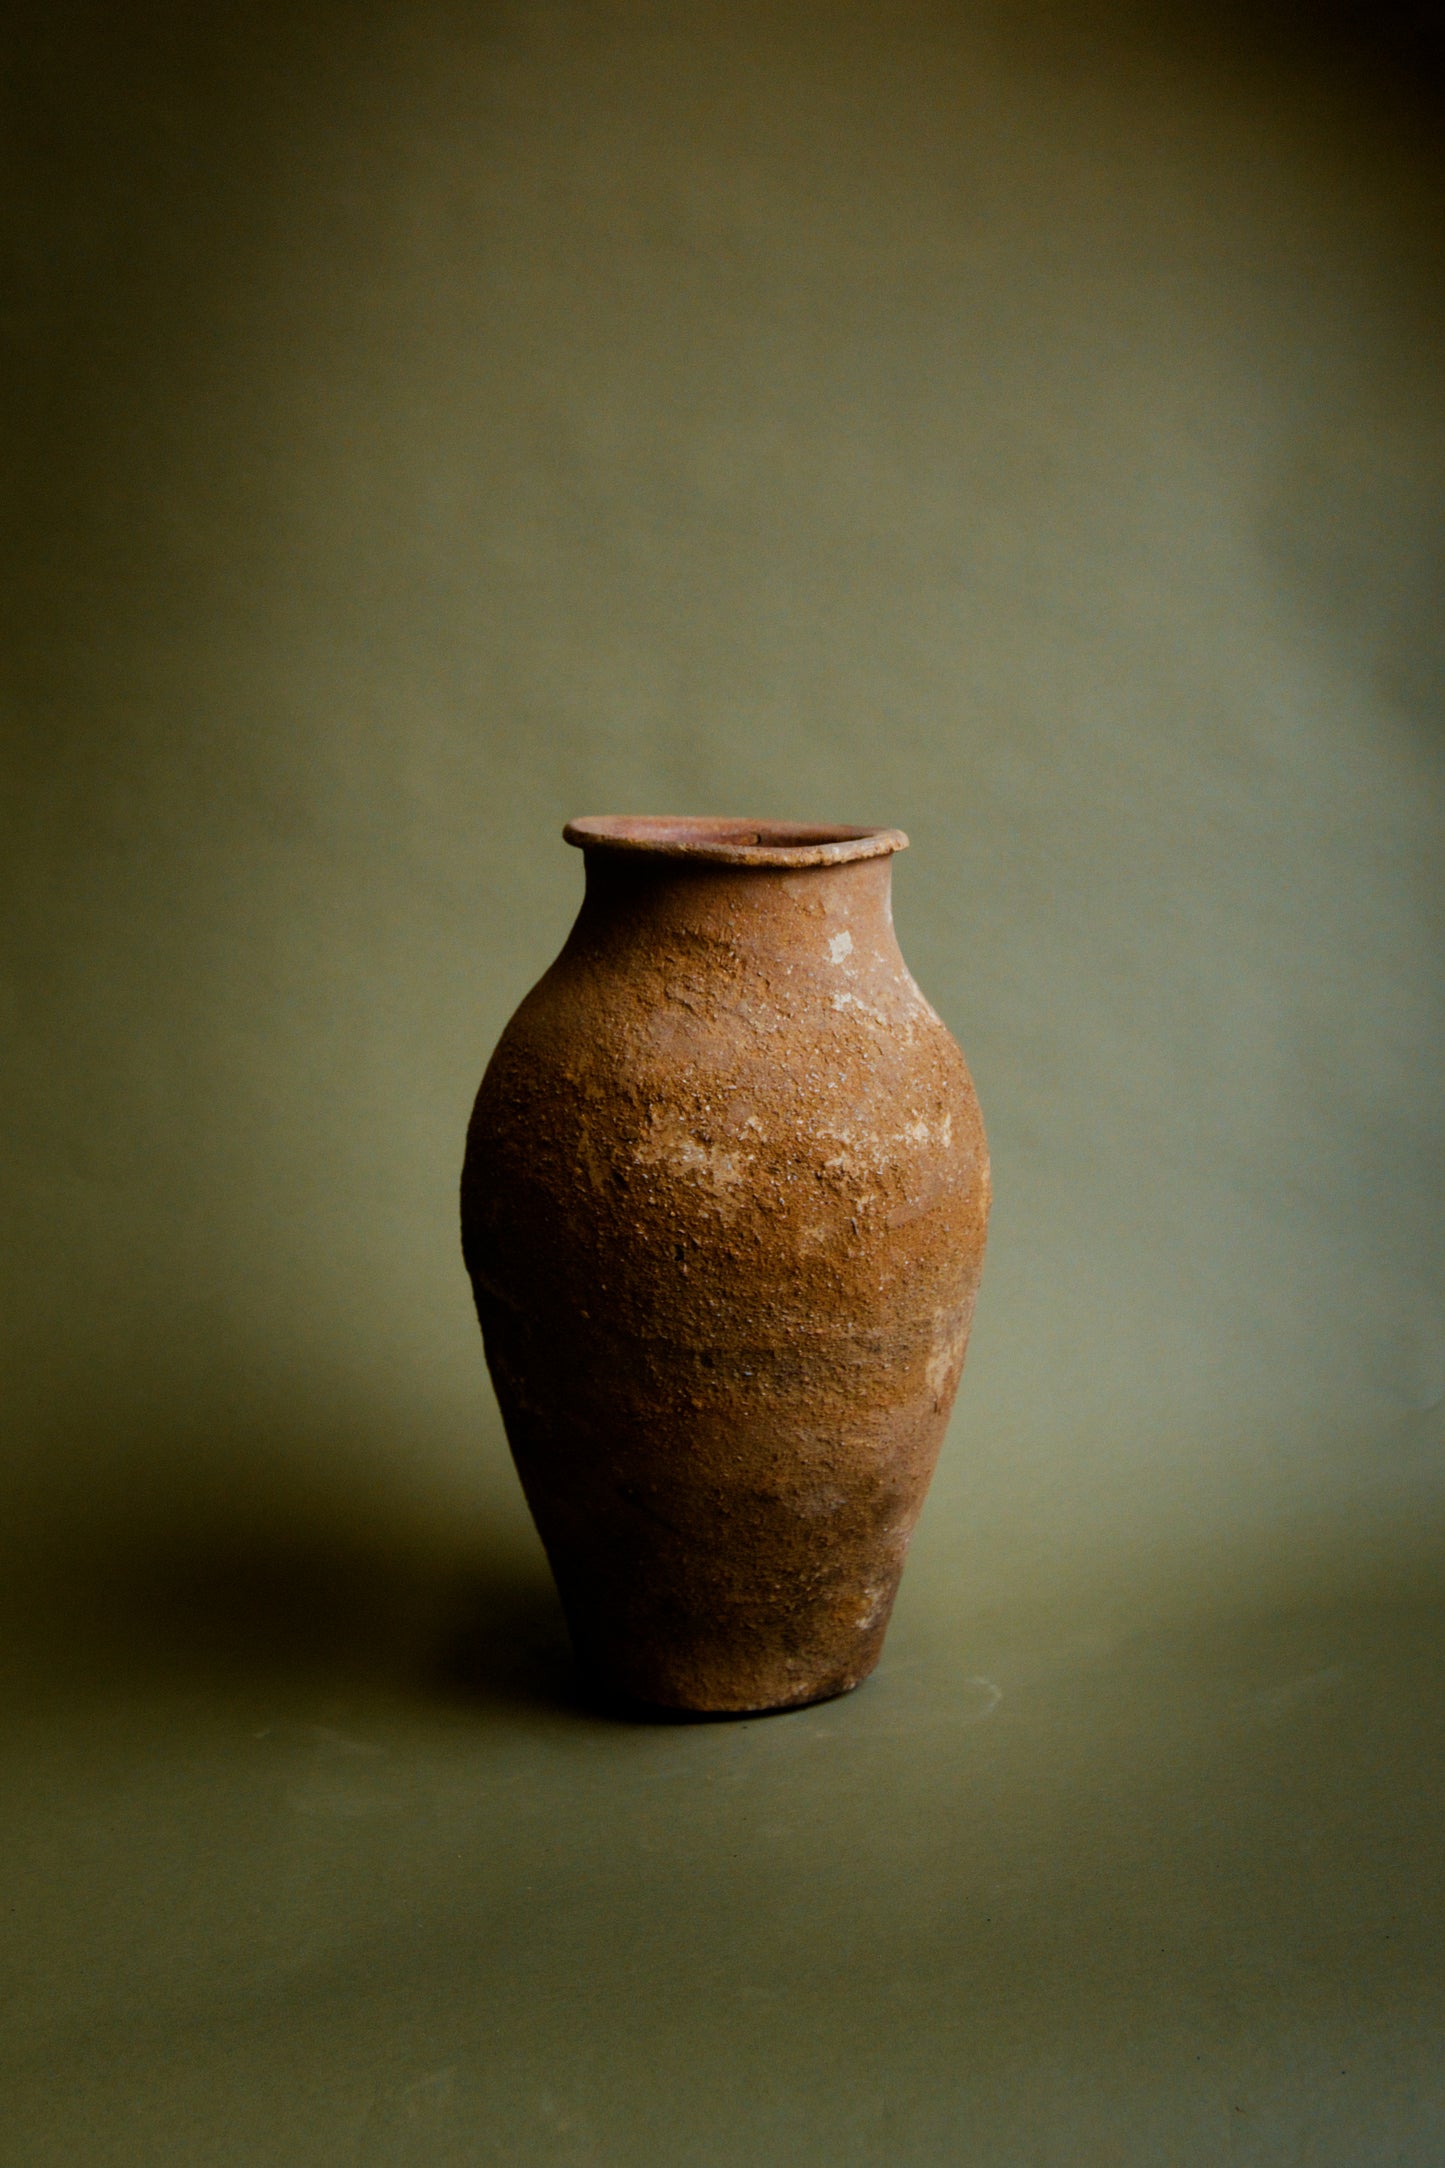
<point x="717" y="841"/>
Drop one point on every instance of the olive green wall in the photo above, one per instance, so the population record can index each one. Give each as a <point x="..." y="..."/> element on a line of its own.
<point x="424" y="422"/>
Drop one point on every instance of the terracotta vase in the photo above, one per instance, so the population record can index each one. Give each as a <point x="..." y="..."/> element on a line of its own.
<point x="723" y="1208"/>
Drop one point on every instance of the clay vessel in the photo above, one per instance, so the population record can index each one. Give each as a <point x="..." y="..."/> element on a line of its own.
<point x="723" y="1208"/>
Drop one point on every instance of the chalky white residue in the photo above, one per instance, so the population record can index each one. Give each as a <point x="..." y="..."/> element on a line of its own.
<point x="852" y="1001"/>
<point x="669" y="1144"/>
<point x="868" y="1616"/>
<point x="950" y="1338"/>
<point x="839" y="946"/>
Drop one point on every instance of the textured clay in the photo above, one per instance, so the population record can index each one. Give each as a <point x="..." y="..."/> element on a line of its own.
<point x="723" y="1207"/>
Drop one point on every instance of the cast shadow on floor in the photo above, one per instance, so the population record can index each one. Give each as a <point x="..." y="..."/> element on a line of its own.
<point x="275" y="1602"/>
<point x="237" y="1552"/>
<point x="481" y="1628"/>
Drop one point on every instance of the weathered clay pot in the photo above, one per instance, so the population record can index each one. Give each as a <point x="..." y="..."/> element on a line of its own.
<point x="723" y="1208"/>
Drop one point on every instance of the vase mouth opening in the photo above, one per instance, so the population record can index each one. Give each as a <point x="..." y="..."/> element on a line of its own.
<point x="715" y="841"/>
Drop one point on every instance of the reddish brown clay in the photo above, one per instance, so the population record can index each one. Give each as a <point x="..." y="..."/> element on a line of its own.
<point x="723" y="1208"/>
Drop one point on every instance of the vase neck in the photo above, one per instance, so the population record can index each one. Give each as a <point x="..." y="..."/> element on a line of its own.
<point x="790" y="918"/>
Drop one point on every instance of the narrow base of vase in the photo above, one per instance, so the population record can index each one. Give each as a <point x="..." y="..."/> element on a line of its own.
<point x="654" y="1709"/>
<point x="742" y="1660"/>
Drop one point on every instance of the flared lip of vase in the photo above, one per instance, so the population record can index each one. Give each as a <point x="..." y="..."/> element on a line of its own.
<point x="719" y="842"/>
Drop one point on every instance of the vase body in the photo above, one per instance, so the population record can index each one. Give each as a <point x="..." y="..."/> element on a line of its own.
<point x="723" y="1208"/>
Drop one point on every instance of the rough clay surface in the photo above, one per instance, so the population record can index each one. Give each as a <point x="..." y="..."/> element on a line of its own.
<point x="723" y="1207"/>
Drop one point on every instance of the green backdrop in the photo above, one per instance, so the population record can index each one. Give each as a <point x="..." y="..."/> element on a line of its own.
<point x="425" y="421"/>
